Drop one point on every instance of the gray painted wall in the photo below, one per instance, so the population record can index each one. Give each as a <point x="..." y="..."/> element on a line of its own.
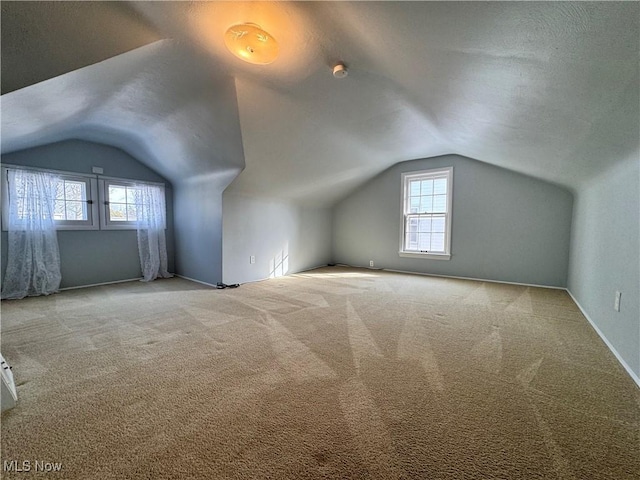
<point x="94" y="256"/>
<point x="270" y="230"/>
<point x="198" y="199"/>
<point x="505" y="226"/>
<point x="198" y="206"/>
<point x="605" y="256"/>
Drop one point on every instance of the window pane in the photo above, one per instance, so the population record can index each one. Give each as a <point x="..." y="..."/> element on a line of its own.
<point x="76" y="210"/>
<point x="134" y="195"/>
<point x="440" y="203"/>
<point x="414" y="188"/>
<point x="75" y="190"/>
<point x="426" y="215"/>
<point x="117" y="194"/>
<point x="427" y="187"/>
<point x="60" y="190"/>
<point x="437" y="242"/>
<point x="58" y="210"/>
<point x="117" y="212"/>
<point x="424" y="225"/>
<point x="437" y="224"/>
<point x="412" y="241"/>
<point x="132" y="213"/>
<point x="425" y="204"/>
<point x="424" y="241"/>
<point x="440" y="186"/>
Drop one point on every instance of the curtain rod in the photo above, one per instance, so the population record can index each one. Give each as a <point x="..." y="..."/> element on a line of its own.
<point x="77" y="174"/>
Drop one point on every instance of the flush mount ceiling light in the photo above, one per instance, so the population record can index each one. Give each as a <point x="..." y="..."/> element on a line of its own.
<point x="252" y="44"/>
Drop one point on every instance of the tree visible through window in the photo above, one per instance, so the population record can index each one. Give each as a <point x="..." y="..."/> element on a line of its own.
<point x="427" y="212"/>
<point x="71" y="197"/>
<point x="71" y="200"/>
<point x="124" y="202"/>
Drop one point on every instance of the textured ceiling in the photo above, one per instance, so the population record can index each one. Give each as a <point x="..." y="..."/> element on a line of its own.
<point x="41" y="40"/>
<point x="549" y="89"/>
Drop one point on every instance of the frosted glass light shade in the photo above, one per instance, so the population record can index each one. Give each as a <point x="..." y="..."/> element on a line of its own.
<point x="252" y="44"/>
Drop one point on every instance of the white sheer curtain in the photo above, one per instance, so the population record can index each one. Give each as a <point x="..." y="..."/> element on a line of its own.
<point x="151" y="222"/>
<point x="33" y="264"/>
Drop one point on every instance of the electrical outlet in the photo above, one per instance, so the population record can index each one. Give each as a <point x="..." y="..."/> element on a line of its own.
<point x="252" y="259"/>
<point x="371" y="263"/>
<point x="616" y="302"/>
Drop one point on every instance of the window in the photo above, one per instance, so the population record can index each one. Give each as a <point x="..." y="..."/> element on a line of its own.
<point x="88" y="202"/>
<point x="125" y="202"/>
<point x="426" y="214"/>
<point x="74" y="206"/>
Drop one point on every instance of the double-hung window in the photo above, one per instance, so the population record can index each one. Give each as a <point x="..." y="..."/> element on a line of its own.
<point x="426" y="213"/>
<point x="75" y="206"/>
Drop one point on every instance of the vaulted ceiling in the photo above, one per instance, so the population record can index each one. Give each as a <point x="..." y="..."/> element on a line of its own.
<point x="549" y="89"/>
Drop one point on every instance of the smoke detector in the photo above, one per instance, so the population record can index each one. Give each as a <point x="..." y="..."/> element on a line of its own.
<point x="340" y="71"/>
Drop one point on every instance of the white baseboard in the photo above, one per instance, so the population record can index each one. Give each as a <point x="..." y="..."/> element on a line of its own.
<point x="311" y="268"/>
<point x="476" y="279"/>
<point x="624" y="364"/>
<point x="453" y="276"/>
<point x="631" y="373"/>
<point x="196" y="281"/>
<point x="100" y="284"/>
<point x="269" y="278"/>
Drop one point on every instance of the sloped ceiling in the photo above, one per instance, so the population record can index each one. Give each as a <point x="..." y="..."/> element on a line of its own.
<point x="41" y="40"/>
<point x="549" y="89"/>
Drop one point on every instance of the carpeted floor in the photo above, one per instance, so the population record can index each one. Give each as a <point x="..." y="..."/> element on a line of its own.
<point x="335" y="373"/>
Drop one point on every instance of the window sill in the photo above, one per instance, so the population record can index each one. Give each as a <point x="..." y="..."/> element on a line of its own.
<point x="126" y="226"/>
<point x="60" y="228"/>
<point x="426" y="256"/>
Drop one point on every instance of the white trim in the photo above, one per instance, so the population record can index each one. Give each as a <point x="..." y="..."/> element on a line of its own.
<point x="48" y="170"/>
<point x="105" y="222"/>
<point x="4" y="182"/>
<point x="100" y="284"/>
<point x="624" y="364"/>
<point x="476" y="279"/>
<point x="196" y="281"/>
<point x="467" y="278"/>
<point x="92" y="222"/>
<point x="324" y="265"/>
<point x="129" y="181"/>
<point x="426" y="256"/>
<point x="406" y="177"/>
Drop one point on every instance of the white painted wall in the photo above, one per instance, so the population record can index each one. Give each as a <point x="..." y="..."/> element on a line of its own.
<point x="505" y="226"/>
<point x="283" y="237"/>
<point x="605" y="256"/>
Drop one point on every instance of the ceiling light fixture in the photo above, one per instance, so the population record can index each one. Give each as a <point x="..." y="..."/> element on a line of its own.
<point x="250" y="43"/>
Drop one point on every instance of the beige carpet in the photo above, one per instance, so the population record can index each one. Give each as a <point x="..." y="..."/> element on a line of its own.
<point x="336" y="373"/>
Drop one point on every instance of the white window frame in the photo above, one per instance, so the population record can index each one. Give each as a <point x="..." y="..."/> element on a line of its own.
<point x="91" y="190"/>
<point x="446" y="172"/>
<point x="103" y="184"/>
